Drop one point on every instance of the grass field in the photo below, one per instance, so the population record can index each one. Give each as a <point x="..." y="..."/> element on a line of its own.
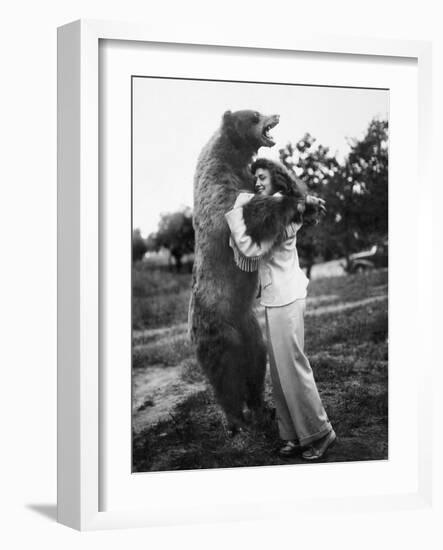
<point x="176" y="422"/>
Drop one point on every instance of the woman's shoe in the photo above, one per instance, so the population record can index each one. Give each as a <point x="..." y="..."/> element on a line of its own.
<point x="290" y="449"/>
<point x="318" y="449"/>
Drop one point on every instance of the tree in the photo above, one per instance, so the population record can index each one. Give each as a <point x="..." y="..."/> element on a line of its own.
<point x="359" y="192"/>
<point x="368" y="168"/>
<point x="316" y="167"/>
<point x="176" y="233"/>
<point x="139" y="246"/>
<point x="151" y="243"/>
<point x="356" y="192"/>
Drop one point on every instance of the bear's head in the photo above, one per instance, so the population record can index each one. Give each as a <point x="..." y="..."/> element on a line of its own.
<point x="249" y="128"/>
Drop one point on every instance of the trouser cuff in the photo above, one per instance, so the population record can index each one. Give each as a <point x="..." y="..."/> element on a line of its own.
<point x="304" y="441"/>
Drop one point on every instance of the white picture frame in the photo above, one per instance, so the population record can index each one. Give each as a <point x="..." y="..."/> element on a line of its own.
<point x="79" y="293"/>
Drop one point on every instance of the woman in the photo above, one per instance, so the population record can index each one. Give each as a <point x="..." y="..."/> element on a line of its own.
<point x="302" y="420"/>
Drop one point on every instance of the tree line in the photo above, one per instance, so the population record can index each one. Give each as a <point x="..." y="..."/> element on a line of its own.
<point x="355" y="190"/>
<point x="175" y="233"/>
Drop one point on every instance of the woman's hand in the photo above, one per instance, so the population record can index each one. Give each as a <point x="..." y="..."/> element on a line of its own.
<point x="316" y="203"/>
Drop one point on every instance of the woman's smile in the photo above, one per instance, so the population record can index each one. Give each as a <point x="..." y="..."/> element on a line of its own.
<point x="263" y="181"/>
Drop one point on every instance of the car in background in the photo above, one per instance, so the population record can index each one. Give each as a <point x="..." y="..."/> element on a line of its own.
<point x="375" y="257"/>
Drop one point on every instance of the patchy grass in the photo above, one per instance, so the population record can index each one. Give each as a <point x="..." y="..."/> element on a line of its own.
<point x="168" y="351"/>
<point x="159" y="298"/>
<point x="348" y="350"/>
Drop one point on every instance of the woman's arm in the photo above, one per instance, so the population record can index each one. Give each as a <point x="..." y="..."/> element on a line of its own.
<point x="244" y="243"/>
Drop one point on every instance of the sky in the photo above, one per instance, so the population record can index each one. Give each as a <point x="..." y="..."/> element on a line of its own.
<point x="173" y="119"/>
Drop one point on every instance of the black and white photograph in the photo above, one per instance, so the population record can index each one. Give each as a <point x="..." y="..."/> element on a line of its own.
<point x="259" y="274"/>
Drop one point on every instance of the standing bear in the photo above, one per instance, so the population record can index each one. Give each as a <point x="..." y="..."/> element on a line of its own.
<point x="223" y="325"/>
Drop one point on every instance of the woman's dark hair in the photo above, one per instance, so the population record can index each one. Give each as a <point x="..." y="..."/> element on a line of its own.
<point x="282" y="180"/>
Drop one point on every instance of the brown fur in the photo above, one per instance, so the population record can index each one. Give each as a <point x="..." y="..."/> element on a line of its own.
<point x="266" y="217"/>
<point x="226" y="333"/>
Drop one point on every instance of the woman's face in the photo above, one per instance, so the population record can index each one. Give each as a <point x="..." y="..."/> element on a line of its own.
<point x="263" y="181"/>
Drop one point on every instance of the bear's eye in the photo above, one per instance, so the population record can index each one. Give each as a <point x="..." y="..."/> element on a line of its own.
<point x="256" y="118"/>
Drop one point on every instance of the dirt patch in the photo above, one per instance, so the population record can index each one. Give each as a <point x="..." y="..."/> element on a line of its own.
<point x="343" y="306"/>
<point x="143" y="337"/>
<point x="334" y="268"/>
<point x="156" y="392"/>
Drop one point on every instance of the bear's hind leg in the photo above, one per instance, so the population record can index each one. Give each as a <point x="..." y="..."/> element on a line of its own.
<point x="256" y="368"/>
<point x="222" y="357"/>
<point x="232" y="388"/>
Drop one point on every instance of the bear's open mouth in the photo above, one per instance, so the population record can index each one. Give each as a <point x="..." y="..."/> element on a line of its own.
<point x="267" y="138"/>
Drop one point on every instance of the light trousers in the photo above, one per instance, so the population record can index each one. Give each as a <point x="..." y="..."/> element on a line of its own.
<point x="299" y="410"/>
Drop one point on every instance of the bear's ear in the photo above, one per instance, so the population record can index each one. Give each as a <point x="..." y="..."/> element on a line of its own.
<point x="227" y="117"/>
<point x="230" y="127"/>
